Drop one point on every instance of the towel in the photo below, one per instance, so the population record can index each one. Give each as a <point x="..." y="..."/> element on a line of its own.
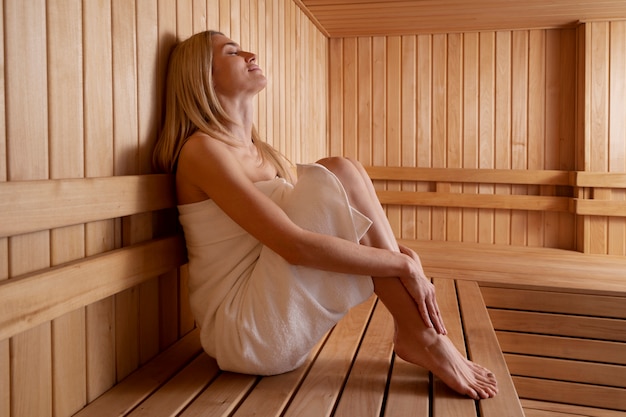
<point x="257" y="313"/>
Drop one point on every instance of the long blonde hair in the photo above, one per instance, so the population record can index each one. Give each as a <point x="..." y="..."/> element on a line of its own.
<point x="191" y="105"/>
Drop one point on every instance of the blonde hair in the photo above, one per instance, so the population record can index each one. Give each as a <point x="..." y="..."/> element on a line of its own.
<point x="191" y="105"/>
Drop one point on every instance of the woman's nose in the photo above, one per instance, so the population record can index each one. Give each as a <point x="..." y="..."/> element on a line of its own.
<point x="249" y="56"/>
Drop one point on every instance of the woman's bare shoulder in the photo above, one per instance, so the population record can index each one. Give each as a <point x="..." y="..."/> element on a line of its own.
<point x="204" y="163"/>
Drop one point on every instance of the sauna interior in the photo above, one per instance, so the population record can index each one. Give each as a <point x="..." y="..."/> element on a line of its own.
<point x="444" y="90"/>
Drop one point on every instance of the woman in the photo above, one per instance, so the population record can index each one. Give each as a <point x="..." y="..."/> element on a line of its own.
<point x="273" y="265"/>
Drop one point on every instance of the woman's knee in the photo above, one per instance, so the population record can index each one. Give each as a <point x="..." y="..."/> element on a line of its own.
<point x="346" y="169"/>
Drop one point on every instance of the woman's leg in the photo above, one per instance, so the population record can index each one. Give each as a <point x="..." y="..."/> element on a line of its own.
<point x="414" y="341"/>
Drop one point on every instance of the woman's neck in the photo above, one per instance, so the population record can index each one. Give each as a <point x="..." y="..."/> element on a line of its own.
<point x="242" y="113"/>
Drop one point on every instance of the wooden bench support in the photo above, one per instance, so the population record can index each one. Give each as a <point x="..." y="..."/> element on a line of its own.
<point x="352" y="372"/>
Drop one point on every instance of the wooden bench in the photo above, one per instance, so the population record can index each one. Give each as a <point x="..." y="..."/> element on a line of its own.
<point x="351" y="372"/>
<point x="560" y="315"/>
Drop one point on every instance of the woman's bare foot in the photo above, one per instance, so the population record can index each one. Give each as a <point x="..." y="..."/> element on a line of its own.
<point x="438" y="355"/>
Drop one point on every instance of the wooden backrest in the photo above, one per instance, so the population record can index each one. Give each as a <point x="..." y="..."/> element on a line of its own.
<point x="580" y="193"/>
<point x="30" y="206"/>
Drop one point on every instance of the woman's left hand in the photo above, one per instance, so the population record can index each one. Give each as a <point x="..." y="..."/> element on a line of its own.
<point x="426" y="300"/>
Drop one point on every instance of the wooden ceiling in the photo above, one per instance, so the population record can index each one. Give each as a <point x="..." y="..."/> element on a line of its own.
<point x="344" y="18"/>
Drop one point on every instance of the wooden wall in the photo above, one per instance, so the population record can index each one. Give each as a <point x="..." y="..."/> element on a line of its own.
<point x="80" y="96"/>
<point x="602" y="129"/>
<point x="504" y="100"/>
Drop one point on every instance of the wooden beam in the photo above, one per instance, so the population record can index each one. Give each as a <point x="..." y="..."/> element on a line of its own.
<point x="44" y="295"/>
<point x="29" y="206"/>
<point x="466" y="175"/>
<point x="487" y="201"/>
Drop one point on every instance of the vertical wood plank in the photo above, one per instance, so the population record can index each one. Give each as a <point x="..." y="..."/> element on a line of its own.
<point x="379" y="113"/>
<point x="486" y="127"/>
<point x="199" y="8"/>
<point x="99" y="236"/>
<point x="66" y="161"/>
<point x="169" y="282"/>
<point x="471" y="87"/>
<point x="408" y="126"/>
<point x="597" y="237"/>
<point x="454" y="109"/>
<point x="439" y="123"/>
<point x="519" y="135"/>
<point x="5" y="363"/>
<point x="536" y="125"/>
<point x="424" y="127"/>
<point x="147" y="55"/>
<point x="365" y="91"/>
<point x="350" y="98"/>
<point x="502" y="218"/>
<point x="126" y="154"/>
<point x="335" y="102"/>
<point x="394" y="150"/>
<point x="27" y="153"/>
<point x="617" y="139"/>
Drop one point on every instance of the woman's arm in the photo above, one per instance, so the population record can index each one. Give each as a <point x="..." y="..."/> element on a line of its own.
<point x="212" y="167"/>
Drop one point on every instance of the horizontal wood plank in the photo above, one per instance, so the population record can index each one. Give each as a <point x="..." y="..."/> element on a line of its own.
<point x="559" y="324"/>
<point x="571" y="393"/>
<point x="467" y="175"/>
<point x="611" y="208"/>
<point x="548" y="409"/>
<point x="567" y="370"/>
<point x="562" y="347"/>
<point x="29" y="206"/>
<point x="44" y="295"/>
<point x="486" y="201"/>
<point x="535" y="268"/>
<point x="600" y="179"/>
<point x="554" y="302"/>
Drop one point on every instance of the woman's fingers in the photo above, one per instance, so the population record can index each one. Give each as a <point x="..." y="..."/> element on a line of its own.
<point x="435" y="317"/>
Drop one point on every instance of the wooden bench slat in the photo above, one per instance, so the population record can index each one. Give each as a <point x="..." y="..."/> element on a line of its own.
<point x="563" y="347"/>
<point x="557" y="410"/>
<point x="364" y="391"/>
<point x="30" y="206"/>
<point x="132" y="390"/>
<point x="567" y="370"/>
<point x="44" y="295"/>
<point x="179" y="391"/>
<point x="445" y="401"/>
<point x="318" y="393"/>
<point x="272" y="394"/>
<point x="408" y="390"/>
<point x="530" y="267"/>
<point x="558" y="324"/>
<point x="484" y="349"/>
<point x="222" y="396"/>
<point x="571" y="393"/>
<point x="554" y="302"/>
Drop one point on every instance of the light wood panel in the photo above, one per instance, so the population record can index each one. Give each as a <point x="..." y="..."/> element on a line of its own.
<point x="405" y="17"/>
<point x="84" y="85"/>
<point x="491" y="100"/>
<point x="602" y="108"/>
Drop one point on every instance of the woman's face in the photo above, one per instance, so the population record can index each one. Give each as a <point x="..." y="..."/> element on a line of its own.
<point x="235" y="71"/>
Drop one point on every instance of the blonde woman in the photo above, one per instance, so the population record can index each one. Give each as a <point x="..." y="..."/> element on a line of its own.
<point x="274" y="263"/>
